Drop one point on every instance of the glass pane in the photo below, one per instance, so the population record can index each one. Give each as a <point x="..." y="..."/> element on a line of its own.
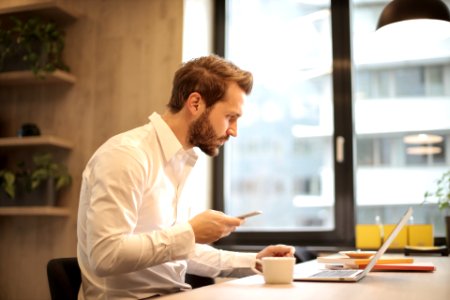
<point x="401" y="92"/>
<point x="282" y="161"/>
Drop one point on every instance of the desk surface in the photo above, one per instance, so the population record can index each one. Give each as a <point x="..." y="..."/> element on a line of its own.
<point x="376" y="285"/>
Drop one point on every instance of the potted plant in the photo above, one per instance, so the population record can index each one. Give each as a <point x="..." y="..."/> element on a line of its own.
<point x="35" y="185"/>
<point x="31" y="44"/>
<point x="441" y="194"/>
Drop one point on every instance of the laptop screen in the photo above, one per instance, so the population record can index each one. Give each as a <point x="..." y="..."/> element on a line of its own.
<point x="389" y="240"/>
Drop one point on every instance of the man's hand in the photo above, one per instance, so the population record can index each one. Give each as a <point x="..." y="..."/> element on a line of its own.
<point x="274" y="250"/>
<point x="211" y="225"/>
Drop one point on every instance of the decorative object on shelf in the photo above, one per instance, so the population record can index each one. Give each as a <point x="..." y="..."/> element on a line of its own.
<point x="28" y="129"/>
<point x="441" y="193"/>
<point x="36" y="185"/>
<point x="31" y="44"/>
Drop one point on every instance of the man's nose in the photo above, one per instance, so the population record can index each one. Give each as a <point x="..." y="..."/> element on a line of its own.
<point x="232" y="132"/>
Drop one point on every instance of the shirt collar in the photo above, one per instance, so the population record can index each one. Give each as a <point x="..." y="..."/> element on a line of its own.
<point x="170" y="144"/>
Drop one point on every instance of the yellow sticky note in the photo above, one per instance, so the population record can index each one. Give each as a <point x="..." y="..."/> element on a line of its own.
<point x="420" y="235"/>
<point x="400" y="241"/>
<point x="367" y="236"/>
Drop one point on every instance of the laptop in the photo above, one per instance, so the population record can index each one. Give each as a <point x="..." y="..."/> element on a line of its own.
<point x="353" y="275"/>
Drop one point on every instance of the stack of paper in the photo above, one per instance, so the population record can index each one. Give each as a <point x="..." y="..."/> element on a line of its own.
<point x="395" y="263"/>
<point x="341" y="259"/>
<point x="415" y="266"/>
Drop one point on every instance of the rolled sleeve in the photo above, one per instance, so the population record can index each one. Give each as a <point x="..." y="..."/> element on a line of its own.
<point x="212" y="262"/>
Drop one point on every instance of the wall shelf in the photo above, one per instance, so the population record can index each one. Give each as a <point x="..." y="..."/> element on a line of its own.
<point x="27" y="77"/>
<point x="51" y="9"/>
<point x="62" y="14"/>
<point x="49" y="211"/>
<point x="43" y="140"/>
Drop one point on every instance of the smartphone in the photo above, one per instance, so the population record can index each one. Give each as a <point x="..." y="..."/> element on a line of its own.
<point x="249" y="214"/>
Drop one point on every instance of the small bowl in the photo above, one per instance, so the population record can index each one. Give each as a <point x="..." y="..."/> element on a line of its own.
<point x="358" y="254"/>
<point x="28" y="129"/>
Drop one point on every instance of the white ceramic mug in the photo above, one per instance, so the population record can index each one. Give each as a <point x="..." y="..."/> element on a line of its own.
<point x="278" y="270"/>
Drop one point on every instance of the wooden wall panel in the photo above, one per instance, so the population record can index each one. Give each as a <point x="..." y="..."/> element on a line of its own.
<point x="123" y="53"/>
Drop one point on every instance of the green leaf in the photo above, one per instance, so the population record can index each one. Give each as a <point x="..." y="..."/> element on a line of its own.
<point x="63" y="181"/>
<point x="7" y="182"/>
<point x="441" y="192"/>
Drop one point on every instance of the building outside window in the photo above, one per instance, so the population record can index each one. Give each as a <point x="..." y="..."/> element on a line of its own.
<point x="401" y="91"/>
<point x="284" y="159"/>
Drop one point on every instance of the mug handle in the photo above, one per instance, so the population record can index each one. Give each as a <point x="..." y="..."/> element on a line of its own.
<point x="258" y="261"/>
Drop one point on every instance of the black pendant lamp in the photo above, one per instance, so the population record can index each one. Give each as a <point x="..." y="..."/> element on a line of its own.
<point x="403" y="10"/>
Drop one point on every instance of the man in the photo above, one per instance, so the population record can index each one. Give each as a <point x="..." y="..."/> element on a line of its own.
<point x="135" y="237"/>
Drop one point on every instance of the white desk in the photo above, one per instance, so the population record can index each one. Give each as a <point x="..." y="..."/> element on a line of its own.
<point x="376" y="285"/>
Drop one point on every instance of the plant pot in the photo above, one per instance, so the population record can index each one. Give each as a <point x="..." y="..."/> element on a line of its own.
<point x="15" y="61"/>
<point x="44" y="195"/>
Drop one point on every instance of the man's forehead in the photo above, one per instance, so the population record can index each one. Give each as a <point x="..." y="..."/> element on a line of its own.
<point x="230" y="106"/>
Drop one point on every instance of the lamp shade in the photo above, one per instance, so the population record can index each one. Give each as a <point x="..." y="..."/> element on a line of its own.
<point x="403" y="10"/>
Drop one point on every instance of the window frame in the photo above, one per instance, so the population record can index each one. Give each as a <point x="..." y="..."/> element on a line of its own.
<point x="344" y="211"/>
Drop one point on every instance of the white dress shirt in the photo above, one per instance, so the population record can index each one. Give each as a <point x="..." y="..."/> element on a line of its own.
<point x="134" y="240"/>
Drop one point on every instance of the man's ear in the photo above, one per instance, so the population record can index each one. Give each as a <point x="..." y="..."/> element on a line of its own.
<point x="195" y="103"/>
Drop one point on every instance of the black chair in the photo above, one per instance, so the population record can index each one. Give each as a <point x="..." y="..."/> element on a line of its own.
<point x="302" y="254"/>
<point x="197" y="281"/>
<point x="64" y="278"/>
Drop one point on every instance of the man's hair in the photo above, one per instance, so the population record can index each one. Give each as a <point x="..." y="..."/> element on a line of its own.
<point x="210" y="77"/>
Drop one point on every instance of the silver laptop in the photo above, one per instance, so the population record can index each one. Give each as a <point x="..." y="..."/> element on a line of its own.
<point x="353" y="275"/>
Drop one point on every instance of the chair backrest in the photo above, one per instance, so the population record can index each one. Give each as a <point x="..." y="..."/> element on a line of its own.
<point x="302" y="254"/>
<point x="64" y="278"/>
<point x="197" y="281"/>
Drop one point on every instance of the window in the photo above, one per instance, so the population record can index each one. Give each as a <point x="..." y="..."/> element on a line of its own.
<point x="400" y="94"/>
<point x="304" y="123"/>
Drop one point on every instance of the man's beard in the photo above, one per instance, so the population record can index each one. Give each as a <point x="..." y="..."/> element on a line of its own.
<point x="201" y="134"/>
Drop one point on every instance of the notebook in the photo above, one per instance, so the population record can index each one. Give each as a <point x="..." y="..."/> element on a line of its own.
<point x="354" y="275"/>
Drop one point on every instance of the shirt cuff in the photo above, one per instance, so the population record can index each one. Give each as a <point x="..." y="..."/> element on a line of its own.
<point x="244" y="260"/>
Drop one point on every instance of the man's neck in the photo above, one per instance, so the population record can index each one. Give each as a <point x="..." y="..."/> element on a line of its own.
<point x="179" y="125"/>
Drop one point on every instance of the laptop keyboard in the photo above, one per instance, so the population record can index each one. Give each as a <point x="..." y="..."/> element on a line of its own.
<point x="335" y="273"/>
